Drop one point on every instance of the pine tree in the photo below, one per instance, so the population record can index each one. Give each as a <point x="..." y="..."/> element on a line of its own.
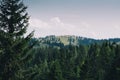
<point x="13" y="44"/>
<point x="55" y="71"/>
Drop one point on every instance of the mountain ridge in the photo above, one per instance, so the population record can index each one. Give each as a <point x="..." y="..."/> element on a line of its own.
<point x="61" y="41"/>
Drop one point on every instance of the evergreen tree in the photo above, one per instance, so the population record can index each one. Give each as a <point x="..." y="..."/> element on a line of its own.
<point x="93" y="52"/>
<point x="114" y="72"/>
<point x="55" y="71"/>
<point x="13" y="45"/>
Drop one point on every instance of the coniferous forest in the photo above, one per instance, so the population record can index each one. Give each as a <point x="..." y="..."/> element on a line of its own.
<point x="22" y="59"/>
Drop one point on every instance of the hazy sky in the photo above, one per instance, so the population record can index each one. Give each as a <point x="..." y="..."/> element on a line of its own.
<point x="87" y="18"/>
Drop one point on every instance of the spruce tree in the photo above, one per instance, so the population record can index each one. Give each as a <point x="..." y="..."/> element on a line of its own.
<point x="14" y="46"/>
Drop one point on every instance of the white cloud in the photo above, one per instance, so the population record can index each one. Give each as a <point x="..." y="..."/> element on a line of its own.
<point x="117" y="27"/>
<point x="55" y="26"/>
<point x="37" y="23"/>
<point x="56" y="20"/>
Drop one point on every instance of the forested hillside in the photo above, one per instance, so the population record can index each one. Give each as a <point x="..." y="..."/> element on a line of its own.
<point x="61" y="41"/>
<point x="93" y="62"/>
<point x="51" y="58"/>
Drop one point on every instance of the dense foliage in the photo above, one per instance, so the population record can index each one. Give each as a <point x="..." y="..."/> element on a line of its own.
<point x="93" y="62"/>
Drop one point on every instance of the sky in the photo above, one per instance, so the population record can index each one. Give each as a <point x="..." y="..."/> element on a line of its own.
<point x="97" y="19"/>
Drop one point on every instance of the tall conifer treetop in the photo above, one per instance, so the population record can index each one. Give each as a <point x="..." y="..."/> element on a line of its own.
<point x="13" y="18"/>
<point x="14" y="46"/>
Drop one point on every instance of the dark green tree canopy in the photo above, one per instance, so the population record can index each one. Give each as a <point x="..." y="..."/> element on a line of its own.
<point x="13" y="18"/>
<point x="14" y="47"/>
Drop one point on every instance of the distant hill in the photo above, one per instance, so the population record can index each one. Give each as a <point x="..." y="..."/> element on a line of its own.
<point x="61" y="41"/>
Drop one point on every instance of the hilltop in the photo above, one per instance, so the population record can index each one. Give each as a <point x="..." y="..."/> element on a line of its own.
<point x="61" y="41"/>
